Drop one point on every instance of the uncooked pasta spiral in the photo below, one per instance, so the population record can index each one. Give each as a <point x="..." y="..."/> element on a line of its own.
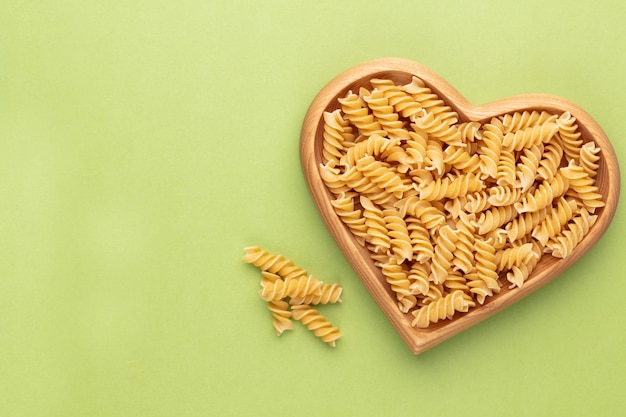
<point x="418" y="277"/>
<point x="477" y="201"/>
<point x="521" y="120"/>
<point x="398" y="280"/>
<point x="376" y="227"/>
<point x="281" y="316"/>
<point x="451" y="187"/>
<point x="374" y="145"/>
<point x="530" y="136"/>
<point x="555" y="220"/>
<point x="464" y="251"/>
<point x="350" y="216"/>
<point x="544" y="194"/>
<point x="490" y="220"/>
<point x="401" y="101"/>
<point x="315" y="322"/>
<point x="439" y="129"/>
<point x="513" y="256"/>
<point x="564" y="243"/>
<point x="327" y="294"/>
<point x="400" y="242"/>
<point x="505" y="173"/>
<point x="420" y="239"/>
<point x="443" y="308"/>
<point x="330" y="174"/>
<point x="550" y="161"/>
<point x="526" y="169"/>
<point x="524" y="224"/>
<point x="490" y="148"/>
<point x="485" y="271"/>
<point x="337" y="132"/>
<point x="275" y="264"/>
<point x="385" y="115"/>
<point x="589" y="157"/>
<point x="357" y="181"/>
<point x="290" y="288"/>
<point x="430" y="216"/>
<point x="443" y="253"/>
<point x="570" y="136"/>
<point x="358" y="114"/>
<point x="381" y="175"/>
<point x="519" y="273"/>
<point x="582" y="186"/>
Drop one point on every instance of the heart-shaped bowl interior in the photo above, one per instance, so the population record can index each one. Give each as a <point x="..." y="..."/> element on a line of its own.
<point x="401" y="71"/>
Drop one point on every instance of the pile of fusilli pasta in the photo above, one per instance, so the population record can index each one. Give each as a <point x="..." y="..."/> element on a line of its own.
<point x="452" y="211"/>
<point x="290" y="292"/>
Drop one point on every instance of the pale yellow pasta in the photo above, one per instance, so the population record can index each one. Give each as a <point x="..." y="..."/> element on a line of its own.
<point x="385" y="115"/>
<point x="401" y="101"/>
<point x="555" y="220"/>
<point x="589" y="157"/>
<point x="328" y="293"/>
<point x="524" y="224"/>
<point x="280" y="316"/>
<point x="521" y="120"/>
<point x="545" y="193"/>
<point x="350" y="216"/>
<point x="519" y="273"/>
<point x="437" y="128"/>
<point x="273" y="263"/>
<point x="451" y="187"/>
<point x="290" y="288"/>
<point x="289" y="292"/>
<point x="398" y="280"/>
<point x="491" y="219"/>
<point x="526" y="169"/>
<point x="443" y="253"/>
<point x="582" y="186"/>
<point x="376" y="227"/>
<point x="443" y="308"/>
<point x="464" y="251"/>
<point x="530" y="136"/>
<point x="315" y="322"/>
<point x="564" y="243"/>
<point x="513" y="256"/>
<point x="570" y="136"/>
<point x="400" y="243"/>
<point x="418" y="278"/>
<point x="380" y="174"/>
<point x="337" y="135"/>
<point x="422" y="246"/>
<point x="374" y="145"/>
<point x="485" y="283"/>
<point x="451" y="210"/>
<point x="550" y="161"/>
<point x="505" y="172"/>
<point x="490" y="148"/>
<point x="358" y="114"/>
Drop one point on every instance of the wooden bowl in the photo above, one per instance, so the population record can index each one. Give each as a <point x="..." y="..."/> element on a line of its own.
<point x="401" y="72"/>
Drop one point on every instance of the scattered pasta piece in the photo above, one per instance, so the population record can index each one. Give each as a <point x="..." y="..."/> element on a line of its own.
<point x="290" y="291"/>
<point x="452" y="211"/>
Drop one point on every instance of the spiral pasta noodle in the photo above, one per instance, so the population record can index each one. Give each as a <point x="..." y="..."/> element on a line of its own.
<point x="289" y="291"/>
<point x="455" y="212"/>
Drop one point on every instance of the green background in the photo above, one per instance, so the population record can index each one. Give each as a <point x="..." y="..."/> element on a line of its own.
<point x="144" y="144"/>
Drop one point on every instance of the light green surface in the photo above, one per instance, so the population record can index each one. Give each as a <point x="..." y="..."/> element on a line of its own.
<point x="143" y="144"/>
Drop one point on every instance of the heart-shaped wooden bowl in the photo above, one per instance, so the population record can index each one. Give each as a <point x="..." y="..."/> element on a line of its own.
<point x="401" y="71"/>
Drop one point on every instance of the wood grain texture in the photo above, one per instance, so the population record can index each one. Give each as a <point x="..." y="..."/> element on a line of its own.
<point x="401" y="71"/>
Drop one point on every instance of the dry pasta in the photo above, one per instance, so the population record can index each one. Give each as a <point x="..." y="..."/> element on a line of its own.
<point x="452" y="211"/>
<point x="289" y="292"/>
